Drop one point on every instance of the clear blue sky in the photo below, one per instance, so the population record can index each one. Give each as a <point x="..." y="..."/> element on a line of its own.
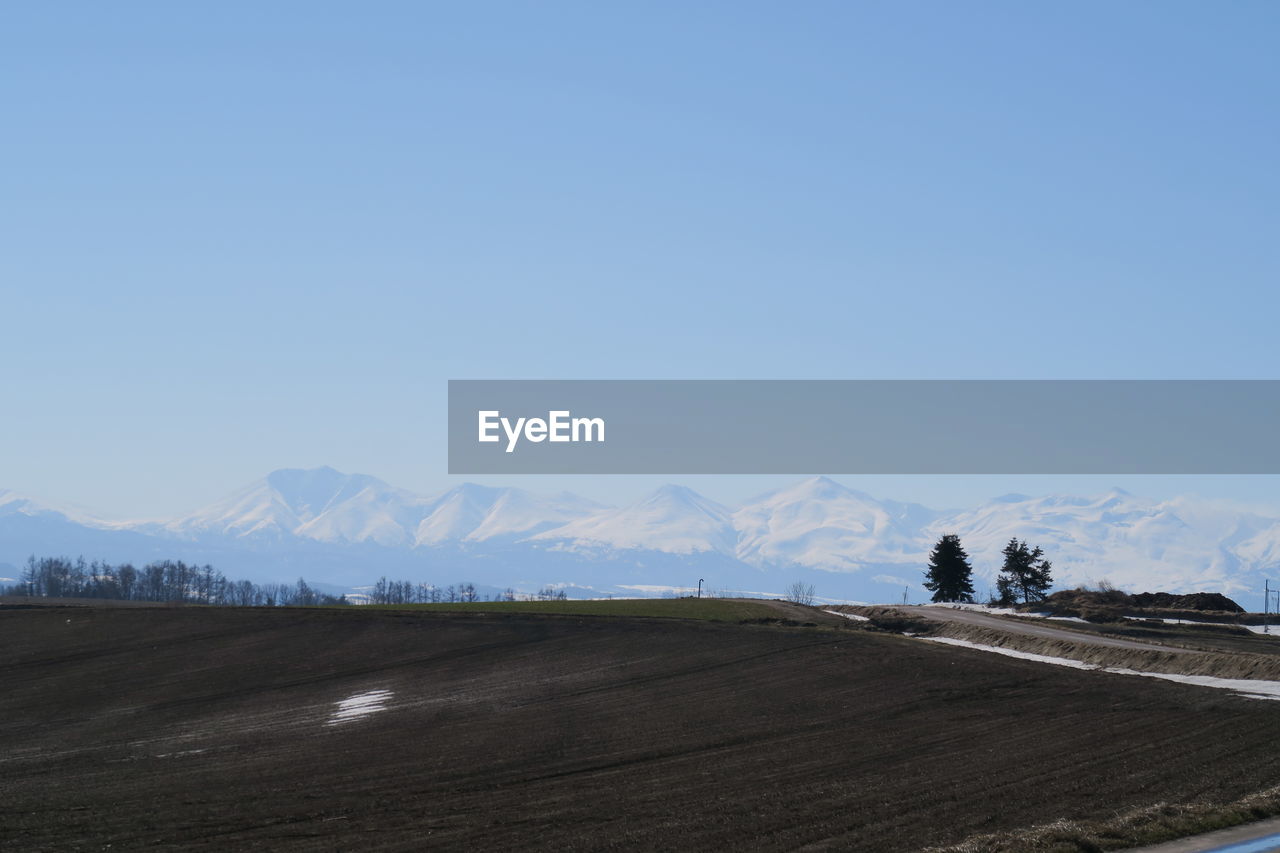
<point x="242" y="236"/>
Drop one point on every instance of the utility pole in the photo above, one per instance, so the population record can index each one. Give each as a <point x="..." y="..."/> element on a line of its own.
<point x="1266" y="605"/>
<point x="699" y="587"/>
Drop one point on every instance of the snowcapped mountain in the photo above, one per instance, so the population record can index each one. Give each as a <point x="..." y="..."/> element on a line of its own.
<point x="325" y="505"/>
<point x="673" y="520"/>
<point x="821" y="524"/>
<point x="32" y="526"/>
<point x="15" y="504"/>
<point x="350" y="528"/>
<point x="516" y="513"/>
<point x="321" y="504"/>
<point x="1130" y="541"/>
<point x="471" y="513"/>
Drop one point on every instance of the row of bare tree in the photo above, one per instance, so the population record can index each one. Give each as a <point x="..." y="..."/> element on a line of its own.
<point x="182" y="583"/>
<point x="408" y="592"/>
<point x="164" y="581"/>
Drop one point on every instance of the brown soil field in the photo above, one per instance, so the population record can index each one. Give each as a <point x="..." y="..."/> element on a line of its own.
<point x="201" y="728"/>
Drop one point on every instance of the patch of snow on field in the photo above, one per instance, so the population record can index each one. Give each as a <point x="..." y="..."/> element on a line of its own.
<point x="854" y="616"/>
<point x="1247" y="687"/>
<point x="360" y="705"/>
<point x="180" y="753"/>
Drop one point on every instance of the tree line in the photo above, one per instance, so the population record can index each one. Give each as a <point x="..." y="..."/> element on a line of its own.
<point x="408" y="592"/>
<point x="1025" y="576"/>
<point x="176" y="582"/>
<point x="170" y="581"/>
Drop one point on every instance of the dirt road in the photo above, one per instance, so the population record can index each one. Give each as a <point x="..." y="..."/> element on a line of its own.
<point x="1017" y="625"/>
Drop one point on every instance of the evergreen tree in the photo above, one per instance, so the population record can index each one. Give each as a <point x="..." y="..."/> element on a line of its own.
<point x="950" y="576"/>
<point x="1025" y="574"/>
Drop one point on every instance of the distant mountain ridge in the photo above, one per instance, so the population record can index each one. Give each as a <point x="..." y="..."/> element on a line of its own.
<point x="347" y="529"/>
<point x="325" y="505"/>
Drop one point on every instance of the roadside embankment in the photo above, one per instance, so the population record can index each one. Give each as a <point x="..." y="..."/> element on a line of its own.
<point x="1031" y="636"/>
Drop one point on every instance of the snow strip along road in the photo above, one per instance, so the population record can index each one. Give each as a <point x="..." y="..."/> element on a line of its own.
<point x="1251" y="688"/>
<point x="854" y="616"/>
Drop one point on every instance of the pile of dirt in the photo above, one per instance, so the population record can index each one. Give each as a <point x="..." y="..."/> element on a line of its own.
<point x="1110" y="605"/>
<point x="1089" y="604"/>
<point x="1081" y="597"/>
<point x="1195" y="601"/>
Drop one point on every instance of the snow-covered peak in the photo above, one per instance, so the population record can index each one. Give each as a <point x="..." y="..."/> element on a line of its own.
<point x="326" y="505"/>
<point x="811" y="489"/>
<point x="1114" y="536"/>
<point x="824" y="524"/>
<point x="674" y="499"/>
<point x="456" y="513"/>
<point x="310" y="492"/>
<point x="17" y="503"/>
<point x="14" y="502"/>
<point x="315" y="503"/>
<point x="673" y="519"/>
<point x="517" y="513"/>
<point x="365" y="511"/>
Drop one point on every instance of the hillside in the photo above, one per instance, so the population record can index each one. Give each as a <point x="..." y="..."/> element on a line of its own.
<point x="373" y="729"/>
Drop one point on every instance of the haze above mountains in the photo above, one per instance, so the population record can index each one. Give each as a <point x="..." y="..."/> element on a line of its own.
<point x="345" y="530"/>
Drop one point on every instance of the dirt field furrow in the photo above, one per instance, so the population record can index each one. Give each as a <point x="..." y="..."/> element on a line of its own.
<point x="220" y="729"/>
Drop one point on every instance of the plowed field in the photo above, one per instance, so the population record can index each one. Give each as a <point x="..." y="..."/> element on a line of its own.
<point x="352" y="729"/>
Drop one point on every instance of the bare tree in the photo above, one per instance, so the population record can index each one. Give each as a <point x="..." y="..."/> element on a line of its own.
<point x="800" y="592"/>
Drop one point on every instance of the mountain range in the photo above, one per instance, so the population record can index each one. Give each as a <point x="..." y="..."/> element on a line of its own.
<point x="345" y="530"/>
